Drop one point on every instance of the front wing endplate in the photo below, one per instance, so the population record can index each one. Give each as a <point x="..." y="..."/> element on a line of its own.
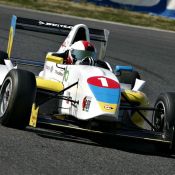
<point x="34" y="115"/>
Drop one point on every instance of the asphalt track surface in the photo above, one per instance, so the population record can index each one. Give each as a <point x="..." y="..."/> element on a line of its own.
<point x="151" y="52"/>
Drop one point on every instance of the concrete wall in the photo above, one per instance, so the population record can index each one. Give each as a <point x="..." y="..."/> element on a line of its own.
<point x="159" y="7"/>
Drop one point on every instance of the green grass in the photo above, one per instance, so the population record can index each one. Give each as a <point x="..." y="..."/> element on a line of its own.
<point x="78" y="9"/>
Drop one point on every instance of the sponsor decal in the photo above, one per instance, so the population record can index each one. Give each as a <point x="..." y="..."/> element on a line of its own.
<point x="66" y="75"/>
<point x="108" y="107"/>
<point x="59" y="73"/>
<point x="55" y="25"/>
<point x="86" y="103"/>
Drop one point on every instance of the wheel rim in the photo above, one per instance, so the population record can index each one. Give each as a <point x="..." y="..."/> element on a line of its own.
<point x="159" y="116"/>
<point x="5" y="94"/>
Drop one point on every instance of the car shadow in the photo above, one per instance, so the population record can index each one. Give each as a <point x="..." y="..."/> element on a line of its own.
<point x="113" y="142"/>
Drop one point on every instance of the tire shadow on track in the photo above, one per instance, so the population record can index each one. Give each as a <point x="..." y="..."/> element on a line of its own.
<point x="123" y="144"/>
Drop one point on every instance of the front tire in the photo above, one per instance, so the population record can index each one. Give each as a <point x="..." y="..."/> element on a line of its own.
<point x="17" y="95"/>
<point x="164" y="117"/>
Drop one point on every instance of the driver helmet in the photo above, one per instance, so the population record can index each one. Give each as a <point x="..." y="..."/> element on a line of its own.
<point x="81" y="50"/>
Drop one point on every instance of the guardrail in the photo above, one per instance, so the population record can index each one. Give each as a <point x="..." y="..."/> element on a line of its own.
<point x="158" y="7"/>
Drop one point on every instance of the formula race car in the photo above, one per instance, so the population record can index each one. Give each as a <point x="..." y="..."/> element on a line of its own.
<point x="88" y="97"/>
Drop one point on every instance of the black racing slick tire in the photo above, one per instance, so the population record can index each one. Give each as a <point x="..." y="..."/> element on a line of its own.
<point x="164" y="117"/>
<point x="128" y="77"/>
<point x="3" y="56"/>
<point x="17" y="95"/>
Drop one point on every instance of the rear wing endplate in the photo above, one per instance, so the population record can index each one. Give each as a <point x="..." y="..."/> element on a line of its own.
<point x="53" y="28"/>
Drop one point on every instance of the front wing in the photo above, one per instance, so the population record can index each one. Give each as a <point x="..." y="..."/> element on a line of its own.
<point x="48" y="122"/>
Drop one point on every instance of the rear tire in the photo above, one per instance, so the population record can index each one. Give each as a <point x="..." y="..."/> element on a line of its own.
<point x="128" y="77"/>
<point x="164" y="121"/>
<point x="3" y="56"/>
<point x="17" y="95"/>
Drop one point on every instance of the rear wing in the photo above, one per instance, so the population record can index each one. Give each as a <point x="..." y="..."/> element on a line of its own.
<point x="56" y="29"/>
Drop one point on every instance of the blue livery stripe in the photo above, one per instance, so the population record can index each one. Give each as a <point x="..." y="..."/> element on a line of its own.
<point x="107" y="95"/>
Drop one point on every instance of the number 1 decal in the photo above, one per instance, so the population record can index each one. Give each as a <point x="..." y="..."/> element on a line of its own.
<point x="103" y="81"/>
